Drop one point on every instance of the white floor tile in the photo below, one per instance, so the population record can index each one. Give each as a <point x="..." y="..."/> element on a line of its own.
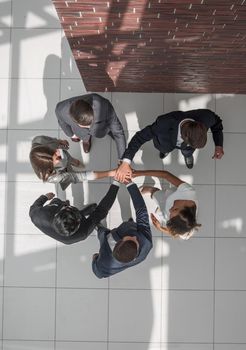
<point x="137" y="110"/>
<point x="1" y="312"/>
<point x="187" y="316"/>
<point x="177" y="346"/>
<point x="206" y="209"/>
<point x="5" y="85"/>
<point x="77" y="258"/>
<point x="230" y="263"/>
<point x="189" y="264"/>
<point x="2" y="207"/>
<point x="80" y="345"/>
<point x="35" y="102"/>
<point x="19" y="145"/>
<point x="134" y="346"/>
<point x="20" y="196"/>
<point x="71" y="88"/>
<point x="232" y="167"/>
<point x="81" y="314"/>
<point x="230" y="211"/>
<point x="6" y="18"/>
<point x="69" y="67"/>
<point x="35" y="14"/>
<point x="231" y="109"/>
<point x="42" y="47"/>
<point x="2" y="255"/>
<point x="230" y="317"/>
<point x="30" y="261"/>
<point x="5" y="53"/>
<point x="203" y="171"/>
<point x="186" y="102"/>
<point x="29" y="313"/>
<point x="134" y="315"/>
<point x="146" y="275"/>
<point x="229" y="346"/>
<point x="27" y="345"/>
<point x="3" y="154"/>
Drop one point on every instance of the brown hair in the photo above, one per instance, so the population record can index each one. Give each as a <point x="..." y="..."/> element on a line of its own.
<point x="184" y="222"/>
<point x="125" y="251"/>
<point x="81" y="112"/>
<point x="195" y="134"/>
<point x="42" y="161"/>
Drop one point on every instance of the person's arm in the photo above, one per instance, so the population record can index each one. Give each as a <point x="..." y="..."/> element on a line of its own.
<point x="174" y="180"/>
<point x="158" y="226"/>
<point x="217" y="132"/>
<point x="118" y="135"/>
<point x="61" y="121"/>
<point x="101" y="210"/>
<point x="142" y="217"/>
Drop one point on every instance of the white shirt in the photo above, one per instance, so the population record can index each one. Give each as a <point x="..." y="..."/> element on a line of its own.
<point x="164" y="200"/>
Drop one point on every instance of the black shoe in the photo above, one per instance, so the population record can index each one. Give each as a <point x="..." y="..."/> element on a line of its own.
<point x="189" y="162"/>
<point x="163" y="155"/>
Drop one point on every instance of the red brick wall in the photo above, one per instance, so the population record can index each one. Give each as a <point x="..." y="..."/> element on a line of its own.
<point x="158" y="45"/>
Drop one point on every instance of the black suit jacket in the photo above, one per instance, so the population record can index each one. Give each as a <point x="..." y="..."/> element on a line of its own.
<point x="42" y="216"/>
<point x="164" y="130"/>
<point x="105" y="265"/>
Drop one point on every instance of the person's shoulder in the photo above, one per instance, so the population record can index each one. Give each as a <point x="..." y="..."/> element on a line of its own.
<point x="171" y="117"/>
<point x="184" y="186"/>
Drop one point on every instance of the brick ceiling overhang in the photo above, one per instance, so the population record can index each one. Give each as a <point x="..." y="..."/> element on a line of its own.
<point x="158" y="45"/>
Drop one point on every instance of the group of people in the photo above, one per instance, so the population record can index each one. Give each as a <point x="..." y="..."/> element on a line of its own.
<point x="85" y="117"/>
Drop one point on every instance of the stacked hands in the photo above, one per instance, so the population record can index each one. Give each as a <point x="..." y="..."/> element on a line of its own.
<point x="124" y="174"/>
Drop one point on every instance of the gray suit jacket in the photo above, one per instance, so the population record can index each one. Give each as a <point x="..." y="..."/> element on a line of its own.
<point x="105" y="121"/>
<point x="65" y="172"/>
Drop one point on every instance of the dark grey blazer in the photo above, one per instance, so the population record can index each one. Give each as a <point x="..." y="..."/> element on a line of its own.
<point x="105" y="121"/>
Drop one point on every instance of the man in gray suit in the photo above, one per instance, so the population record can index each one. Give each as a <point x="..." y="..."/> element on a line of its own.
<point x="82" y="117"/>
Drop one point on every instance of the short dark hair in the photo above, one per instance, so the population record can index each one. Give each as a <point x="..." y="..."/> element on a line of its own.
<point x="195" y="134"/>
<point x="125" y="251"/>
<point x="42" y="161"/>
<point x="67" y="221"/>
<point x="184" y="222"/>
<point x="82" y="112"/>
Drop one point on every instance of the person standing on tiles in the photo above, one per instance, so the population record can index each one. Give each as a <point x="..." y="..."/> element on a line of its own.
<point x="65" y="223"/>
<point x="183" y="130"/>
<point x="87" y="116"/>
<point x="128" y="244"/>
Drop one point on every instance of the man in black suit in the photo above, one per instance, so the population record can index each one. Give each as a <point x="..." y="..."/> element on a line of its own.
<point x="183" y="130"/>
<point x="66" y="223"/>
<point x="126" y="245"/>
<point x="82" y="117"/>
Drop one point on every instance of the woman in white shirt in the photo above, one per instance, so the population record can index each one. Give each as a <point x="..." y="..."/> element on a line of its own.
<point x="175" y="206"/>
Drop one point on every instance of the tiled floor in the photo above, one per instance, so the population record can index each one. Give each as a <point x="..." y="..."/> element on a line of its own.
<point x="186" y="295"/>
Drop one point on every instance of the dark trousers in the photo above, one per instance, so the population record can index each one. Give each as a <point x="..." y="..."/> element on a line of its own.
<point x="187" y="151"/>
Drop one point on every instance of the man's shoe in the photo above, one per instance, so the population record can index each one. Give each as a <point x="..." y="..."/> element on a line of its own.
<point x="189" y="162"/>
<point x="87" y="145"/>
<point x="163" y="155"/>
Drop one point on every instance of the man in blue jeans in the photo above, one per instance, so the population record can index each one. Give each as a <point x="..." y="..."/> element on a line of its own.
<point x="126" y="245"/>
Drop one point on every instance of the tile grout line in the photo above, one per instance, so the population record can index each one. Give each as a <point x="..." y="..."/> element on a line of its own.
<point x="58" y="134"/>
<point x="215" y="197"/>
<point x="6" y="166"/>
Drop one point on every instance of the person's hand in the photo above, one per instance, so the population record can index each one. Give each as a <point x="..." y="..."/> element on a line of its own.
<point x="155" y="221"/>
<point x="50" y="195"/>
<point x="112" y="172"/>
<point x="64" y="144"/>
<point x="75" y="138"/>
<point x="218" y="152"/>
<point x="134" y="174"/>
<point x="94" y="256"/>
<point x="123" y="171"/>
